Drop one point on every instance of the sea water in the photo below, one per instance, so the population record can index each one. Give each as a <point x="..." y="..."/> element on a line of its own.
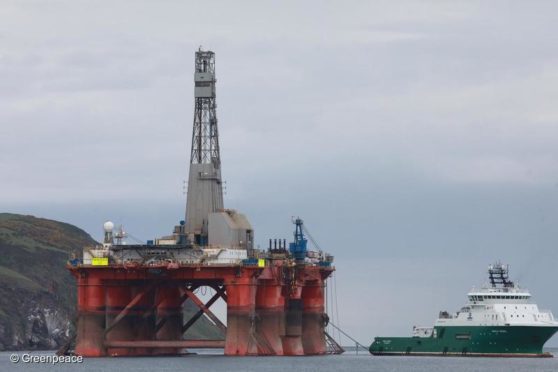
<point x="214" y="360"/>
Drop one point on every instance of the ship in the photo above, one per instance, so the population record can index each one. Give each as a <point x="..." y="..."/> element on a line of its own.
<point x="499" y="320"/>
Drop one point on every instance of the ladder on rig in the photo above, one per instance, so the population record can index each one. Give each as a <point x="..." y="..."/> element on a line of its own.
<point x="332" y="346"/>
<point x="336" y="345"/>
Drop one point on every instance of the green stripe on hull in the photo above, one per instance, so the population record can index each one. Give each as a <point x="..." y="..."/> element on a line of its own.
<point x="502" y="341"/>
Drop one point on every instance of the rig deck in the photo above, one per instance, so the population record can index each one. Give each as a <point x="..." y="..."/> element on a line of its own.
<point x="126" y="310"/>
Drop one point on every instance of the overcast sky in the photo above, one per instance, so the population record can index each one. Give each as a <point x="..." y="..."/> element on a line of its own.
<point x="418" y="140"/>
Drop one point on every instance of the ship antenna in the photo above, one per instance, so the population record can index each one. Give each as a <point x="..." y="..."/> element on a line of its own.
<point x="498" y="275"/>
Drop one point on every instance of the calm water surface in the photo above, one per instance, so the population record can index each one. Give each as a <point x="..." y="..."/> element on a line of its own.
<point x="209" y="360"/>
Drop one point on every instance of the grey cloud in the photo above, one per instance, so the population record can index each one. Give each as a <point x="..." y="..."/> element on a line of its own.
<point x="411" y="134"/>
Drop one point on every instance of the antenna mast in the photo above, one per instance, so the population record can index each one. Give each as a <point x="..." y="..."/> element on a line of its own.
<point x="498" y="276"/>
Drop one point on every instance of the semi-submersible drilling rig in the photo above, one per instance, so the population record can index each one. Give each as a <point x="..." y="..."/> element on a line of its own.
<point x="130" y="296"/>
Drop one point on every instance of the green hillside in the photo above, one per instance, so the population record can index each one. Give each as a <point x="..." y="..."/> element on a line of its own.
<point x="37" y="293"/>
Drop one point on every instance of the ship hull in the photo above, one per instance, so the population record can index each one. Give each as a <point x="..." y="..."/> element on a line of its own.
<point x="483" y="341"/>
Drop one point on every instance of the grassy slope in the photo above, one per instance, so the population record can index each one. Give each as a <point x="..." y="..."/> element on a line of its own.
<point x="33" y="254"/>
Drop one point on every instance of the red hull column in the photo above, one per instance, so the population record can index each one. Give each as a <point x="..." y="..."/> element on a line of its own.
<point x="313" y="318"/>
<point x="169" y="318"/>
<point x="270" y="310"/>
<point x="91" y="315"/>
<point x="118" y="295"/>
<point x="292" y="341"/>
<point x="241" y="298"/>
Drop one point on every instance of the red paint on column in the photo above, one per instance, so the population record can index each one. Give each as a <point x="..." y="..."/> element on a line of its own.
<point x="91" y="316"/>
<point x="270" y="310"/>
<point x="292" y="341"/>
<point x="313" y="336"/>
<point x="240" y="315"/>
<point x="117" y="297"/>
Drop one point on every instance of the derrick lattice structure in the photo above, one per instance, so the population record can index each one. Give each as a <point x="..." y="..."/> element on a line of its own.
<point x="205" y="191"/>
<point x="205" y="134"/>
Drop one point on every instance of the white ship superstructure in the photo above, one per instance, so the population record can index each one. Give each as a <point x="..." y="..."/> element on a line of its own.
<point x="499" y="303"/>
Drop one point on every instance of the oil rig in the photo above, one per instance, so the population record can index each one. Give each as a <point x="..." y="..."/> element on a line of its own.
<point x="130" y="296"/>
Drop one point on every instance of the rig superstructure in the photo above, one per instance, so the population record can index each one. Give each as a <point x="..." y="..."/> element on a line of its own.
<point x="130" y="296"/>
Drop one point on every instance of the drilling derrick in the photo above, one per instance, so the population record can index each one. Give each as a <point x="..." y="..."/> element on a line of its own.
<point x="131" y="296"/>
<point x="207" y="222"/>
<point x="205" y="192"/>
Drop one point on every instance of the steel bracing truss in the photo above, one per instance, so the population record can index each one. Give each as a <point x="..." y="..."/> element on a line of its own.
<point x="205" y="135"/>
<point x="187" y="293"/>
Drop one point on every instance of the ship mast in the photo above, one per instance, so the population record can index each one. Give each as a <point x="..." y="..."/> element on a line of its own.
<point x="498" y="276"/>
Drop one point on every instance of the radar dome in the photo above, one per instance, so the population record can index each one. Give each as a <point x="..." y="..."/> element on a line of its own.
<point x="108" y="226"/>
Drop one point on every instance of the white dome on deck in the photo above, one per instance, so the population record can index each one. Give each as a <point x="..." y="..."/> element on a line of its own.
<point x="108" y="226"/>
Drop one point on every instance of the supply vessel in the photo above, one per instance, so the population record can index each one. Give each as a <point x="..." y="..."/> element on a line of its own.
<point x="130" y="296"/>
<point x="499" y="320"/>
